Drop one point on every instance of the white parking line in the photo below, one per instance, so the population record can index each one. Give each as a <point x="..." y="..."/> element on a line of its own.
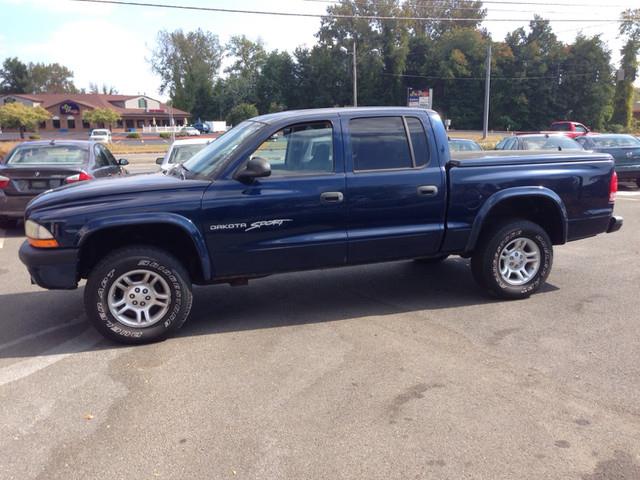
<point x="19" y="370"/>
<point x="31" y="336"/>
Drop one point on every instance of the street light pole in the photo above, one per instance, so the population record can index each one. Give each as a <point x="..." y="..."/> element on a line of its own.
<point x="355" y="76"/>
<point x="487" y="94"/>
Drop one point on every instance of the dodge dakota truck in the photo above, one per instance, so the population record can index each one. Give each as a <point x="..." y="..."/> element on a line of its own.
<point x="311" y="189"/>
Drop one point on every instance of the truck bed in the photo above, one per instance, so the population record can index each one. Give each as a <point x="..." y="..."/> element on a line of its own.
<point x="516" y="157"/>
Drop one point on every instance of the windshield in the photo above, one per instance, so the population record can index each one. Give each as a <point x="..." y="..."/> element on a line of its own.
<point x="182" y="153"/>
<point x="49" y="154"/>
<point x="464" y="146"/>
<point x="561" y="127"/>
<point x="208" y="159"/>
<point x="550" y="143"/>
<point x="100" y="132"/>
<point x="615" y="141"/>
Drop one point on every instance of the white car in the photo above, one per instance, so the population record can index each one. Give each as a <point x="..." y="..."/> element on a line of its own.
<point x="100" y="135"/>
<point x="181" y="151"/>
<point x="188" y="132"/>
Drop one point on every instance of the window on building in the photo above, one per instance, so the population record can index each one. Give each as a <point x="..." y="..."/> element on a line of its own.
<point x="140" y="123"/>
<point x="299" y="149"/>
<point x="42" y="125"/>
<point x="129" y="123"/>
<point x="56" y="122"/>
<point x="142" y="103"/>
<point x="85" y="124"/>
<point x="119" y="123"/>
<point x="379" y="143"/>
<point x="71" y="123"/>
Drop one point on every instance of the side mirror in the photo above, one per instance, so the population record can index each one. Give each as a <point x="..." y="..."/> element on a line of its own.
<point x="159" y="160"/>
<point x="256" y="167"/>
<point x="123" y="162"/>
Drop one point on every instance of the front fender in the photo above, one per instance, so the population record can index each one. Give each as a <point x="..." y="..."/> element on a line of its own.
<point x="509" y="194"/>
<point x="174" y="219"/>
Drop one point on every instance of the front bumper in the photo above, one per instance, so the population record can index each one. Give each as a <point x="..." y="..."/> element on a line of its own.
<point x="615" y="224"/>
<point x="55" y="269"/>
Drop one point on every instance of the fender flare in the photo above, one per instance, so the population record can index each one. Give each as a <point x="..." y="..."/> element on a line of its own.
<point x="173" y="219"/>
<point x="509" y="194"/>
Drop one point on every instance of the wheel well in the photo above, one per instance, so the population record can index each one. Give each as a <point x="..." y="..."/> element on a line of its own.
<point x="540" y="210"/>
<point x="170" y="238"/>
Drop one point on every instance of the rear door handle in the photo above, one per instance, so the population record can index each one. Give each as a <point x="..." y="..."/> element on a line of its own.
<point x="331" y="197"/>
<point x="427" y="190"/>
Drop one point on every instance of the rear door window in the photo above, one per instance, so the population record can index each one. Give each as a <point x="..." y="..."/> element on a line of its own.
<point x="379" y="143"/>
<point x="101" y="158"/>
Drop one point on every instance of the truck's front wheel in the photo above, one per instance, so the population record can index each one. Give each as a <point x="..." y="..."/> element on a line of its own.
<point x="138" y="295"/>
<point x="513" y="259"/>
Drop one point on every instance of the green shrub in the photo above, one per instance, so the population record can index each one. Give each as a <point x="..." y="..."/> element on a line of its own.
<point x="616" y="128"/>
<point x="34" y="136"/>
<point x="165" y="135"/>
<point x="133" y="135"/>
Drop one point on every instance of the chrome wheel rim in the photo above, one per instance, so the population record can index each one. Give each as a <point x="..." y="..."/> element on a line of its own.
<point x="139" y="298"/>
<point x="519" y="261"/>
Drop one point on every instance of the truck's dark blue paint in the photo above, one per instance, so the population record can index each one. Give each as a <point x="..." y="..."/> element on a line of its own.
<point x="444" y="207"/>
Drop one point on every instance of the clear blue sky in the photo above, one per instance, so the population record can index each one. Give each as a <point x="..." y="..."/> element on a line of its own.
<point x="110" y="44"/>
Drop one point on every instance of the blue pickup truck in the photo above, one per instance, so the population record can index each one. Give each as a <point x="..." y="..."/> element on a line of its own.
<point x="311" y="189"/>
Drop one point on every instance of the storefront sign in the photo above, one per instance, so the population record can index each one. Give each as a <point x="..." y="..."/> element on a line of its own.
<point x="420" y="98"/>
<point x="69" y="108"/>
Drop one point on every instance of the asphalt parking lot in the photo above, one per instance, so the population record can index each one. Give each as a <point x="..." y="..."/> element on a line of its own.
<point x="389" y="371"/>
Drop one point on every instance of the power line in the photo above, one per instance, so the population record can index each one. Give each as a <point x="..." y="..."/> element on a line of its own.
<point x="547" y="77"/>
<point x="427" y="3"/>
<point x="315" y="15"/>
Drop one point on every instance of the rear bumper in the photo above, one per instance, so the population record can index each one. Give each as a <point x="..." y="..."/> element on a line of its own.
<point x="13" y="206"/>
<point x="615" y="224"/>
<point x="55" y="269"/>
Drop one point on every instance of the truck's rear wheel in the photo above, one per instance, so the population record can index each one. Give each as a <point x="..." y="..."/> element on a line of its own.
<point x="138" y="295"/>
<point x="513" y="259"/>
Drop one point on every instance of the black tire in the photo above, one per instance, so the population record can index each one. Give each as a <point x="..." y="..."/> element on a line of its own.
<point x="638" y="182"/>
<point x="130" y="259"/>
<point x="485" y="262"/>
<point x="431" y="260"/>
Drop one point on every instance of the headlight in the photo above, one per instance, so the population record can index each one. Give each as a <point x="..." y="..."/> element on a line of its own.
<point x="39" y="236"/>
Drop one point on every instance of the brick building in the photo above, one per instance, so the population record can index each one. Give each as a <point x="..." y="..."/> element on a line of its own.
<point x="66" y="109"/>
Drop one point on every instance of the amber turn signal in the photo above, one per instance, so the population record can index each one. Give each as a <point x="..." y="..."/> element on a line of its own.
<point x="47" y="243"/>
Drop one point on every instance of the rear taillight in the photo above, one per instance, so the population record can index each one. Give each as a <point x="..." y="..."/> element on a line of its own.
<point x="4" y="182"/>
<point x="78" y="177"/>
<point x="613" y="187"/>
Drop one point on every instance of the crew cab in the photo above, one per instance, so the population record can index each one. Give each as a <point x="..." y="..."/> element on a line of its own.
<point x="312" y="189"/>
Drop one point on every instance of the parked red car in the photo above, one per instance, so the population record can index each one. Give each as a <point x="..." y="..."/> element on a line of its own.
<point x="570" y="129"/>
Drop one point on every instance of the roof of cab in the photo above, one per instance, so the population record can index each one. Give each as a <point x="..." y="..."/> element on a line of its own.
<point x="270" y="118"/>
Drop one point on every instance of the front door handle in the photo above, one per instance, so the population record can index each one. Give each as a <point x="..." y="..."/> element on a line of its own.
<point x="331" y="197"/>
<point x="427" y="190"/>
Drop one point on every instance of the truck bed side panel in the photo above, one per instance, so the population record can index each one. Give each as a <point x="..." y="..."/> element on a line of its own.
<point x="581" y="184"/>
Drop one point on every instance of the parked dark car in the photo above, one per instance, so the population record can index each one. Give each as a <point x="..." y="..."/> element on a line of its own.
<point x="35" y="167"/>
<point x="463" y="145"/>
<point x="201" y="127"/>
<point x="625" y="150"/>
<point x="539" y="141"/>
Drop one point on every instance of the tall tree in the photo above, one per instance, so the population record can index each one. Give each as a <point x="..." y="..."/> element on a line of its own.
<point x="276" y="84"/>
<point x="450" y="9"/>
<point x="586" y="83"/>
<point x="104" y="89"/>
<point x="188" y="64"/>
<point x="50" y="78"/>
<point x="14" y="76"/>
<point x="623" y="98"/>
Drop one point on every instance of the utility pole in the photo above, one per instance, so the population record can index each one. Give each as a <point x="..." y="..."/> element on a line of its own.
<point x="487" y="92"/>
<point x="355" y="76"/>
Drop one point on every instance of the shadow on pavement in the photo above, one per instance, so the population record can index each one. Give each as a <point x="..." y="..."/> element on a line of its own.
<point x="41" y="323"/>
